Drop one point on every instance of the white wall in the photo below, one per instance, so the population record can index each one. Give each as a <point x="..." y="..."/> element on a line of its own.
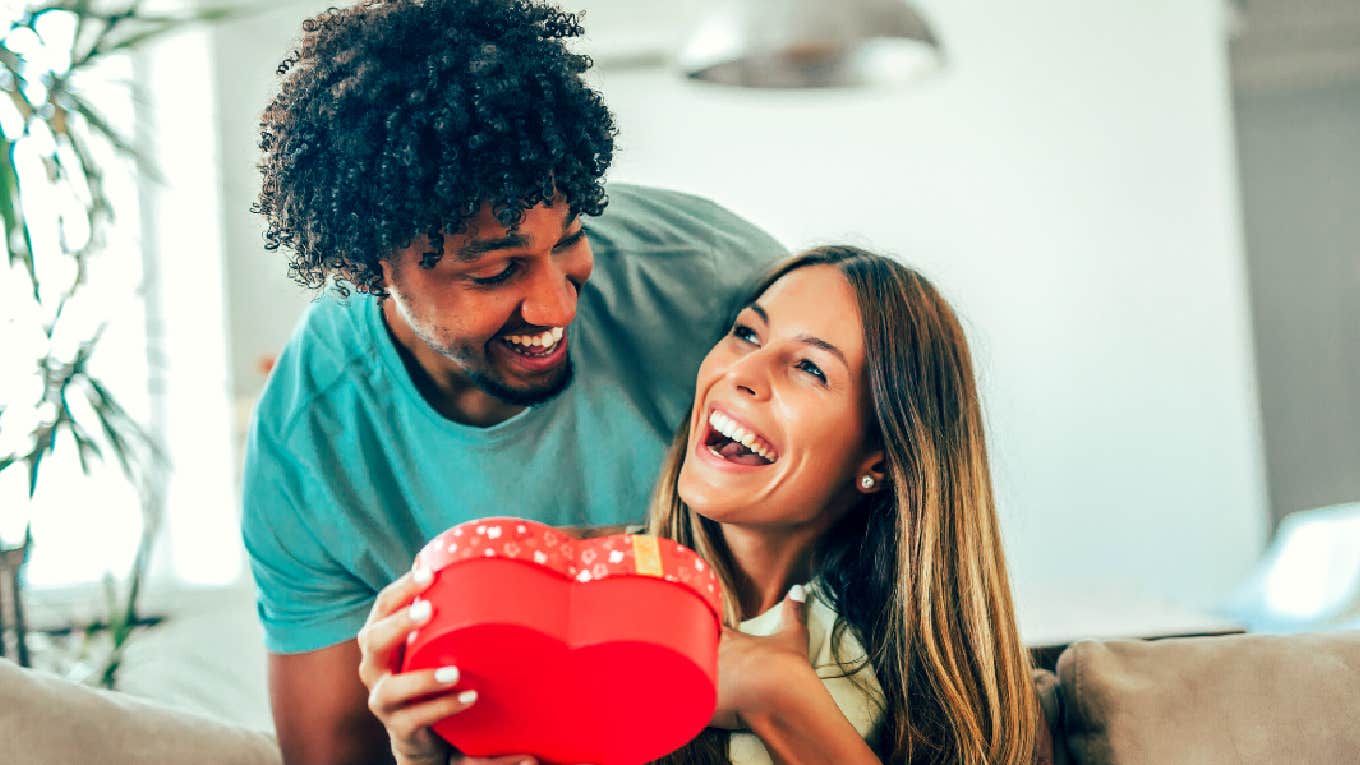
<point x="1300" y="153"/>
<point x="263" y="302"/>
<point x="1068" y="180"/>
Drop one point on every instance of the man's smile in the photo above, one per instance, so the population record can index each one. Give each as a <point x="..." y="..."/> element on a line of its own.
<point x="537" y="344"/>
<point x="533" y="353"/>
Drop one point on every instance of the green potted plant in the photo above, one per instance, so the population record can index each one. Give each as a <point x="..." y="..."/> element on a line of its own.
<point x="59" y="153"/>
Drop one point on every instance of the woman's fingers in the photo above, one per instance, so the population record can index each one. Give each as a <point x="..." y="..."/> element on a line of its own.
<point x="400" y="593"/>
<point x="382" y="642"/>
<point x="393" y="692"/>
<point x="383" y="638"/>
<point x="405" y="722"/>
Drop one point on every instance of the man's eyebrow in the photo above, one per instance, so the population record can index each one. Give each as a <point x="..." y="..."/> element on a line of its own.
<point x="479" y="247"/>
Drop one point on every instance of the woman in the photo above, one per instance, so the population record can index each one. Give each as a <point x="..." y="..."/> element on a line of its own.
<point x="836" y="441"/>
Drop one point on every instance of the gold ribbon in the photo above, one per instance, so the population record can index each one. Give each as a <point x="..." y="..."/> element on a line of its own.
<point x="646" y="555"/>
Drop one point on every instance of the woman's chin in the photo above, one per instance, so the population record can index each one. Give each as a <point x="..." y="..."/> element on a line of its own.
<point x="702" y="500"/>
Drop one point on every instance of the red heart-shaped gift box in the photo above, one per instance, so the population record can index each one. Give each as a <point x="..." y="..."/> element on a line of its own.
<point x="600" y="651"/>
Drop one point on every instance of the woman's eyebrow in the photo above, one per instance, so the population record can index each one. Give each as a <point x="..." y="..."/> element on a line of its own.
<point x="812" y="340"/>
<point x="818" y="342"/>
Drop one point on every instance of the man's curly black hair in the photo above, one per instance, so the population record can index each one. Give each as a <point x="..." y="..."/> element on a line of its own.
<point x="397" y="118"/>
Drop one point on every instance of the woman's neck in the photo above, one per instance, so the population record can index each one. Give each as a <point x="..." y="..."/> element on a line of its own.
<point x="766" y="563"/>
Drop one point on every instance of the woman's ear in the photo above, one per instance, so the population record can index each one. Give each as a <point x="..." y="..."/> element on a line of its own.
<point x="870" y="477"/>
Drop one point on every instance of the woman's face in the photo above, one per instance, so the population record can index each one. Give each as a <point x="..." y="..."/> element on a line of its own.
<point x="778" y="431"/>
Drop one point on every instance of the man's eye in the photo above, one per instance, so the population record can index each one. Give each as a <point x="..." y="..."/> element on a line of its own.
<point x="744" y="333"/>
<point x="501" y="276"/>
<point x="571" y="240"/>
<point x="812" y="369"/>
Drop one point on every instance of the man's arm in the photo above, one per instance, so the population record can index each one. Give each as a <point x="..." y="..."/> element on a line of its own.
<point x="590" y="532"/>
<point x="321" y="709"/>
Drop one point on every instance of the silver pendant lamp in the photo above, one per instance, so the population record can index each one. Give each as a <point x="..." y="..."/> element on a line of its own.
<point x="811" y="44"/>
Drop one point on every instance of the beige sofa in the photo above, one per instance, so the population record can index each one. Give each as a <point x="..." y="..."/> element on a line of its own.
<point x="1237" y="700"/>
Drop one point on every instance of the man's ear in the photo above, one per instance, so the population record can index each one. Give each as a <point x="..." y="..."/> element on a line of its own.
<point x="387" y="266"/>
<point x="870" y="475"/>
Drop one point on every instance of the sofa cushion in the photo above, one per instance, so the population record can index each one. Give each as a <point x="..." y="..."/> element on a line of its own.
<point x="1236" y="700"/>
<point x="1050" y="748"/>
<point x="45" y="720"/>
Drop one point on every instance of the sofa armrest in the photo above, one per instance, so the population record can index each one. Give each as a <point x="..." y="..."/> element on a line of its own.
<point x="45" y="720"/>
<point x="1235" y="700"/>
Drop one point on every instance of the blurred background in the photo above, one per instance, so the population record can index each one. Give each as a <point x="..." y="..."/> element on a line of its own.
<point x="1147" y="213"/>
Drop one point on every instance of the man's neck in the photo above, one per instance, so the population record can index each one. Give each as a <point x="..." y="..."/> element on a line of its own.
<point x="445" y="387"/>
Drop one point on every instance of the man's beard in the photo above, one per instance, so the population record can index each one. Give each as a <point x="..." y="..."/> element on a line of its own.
<point x="480" y="369"/>
<point x="493" y="387"/>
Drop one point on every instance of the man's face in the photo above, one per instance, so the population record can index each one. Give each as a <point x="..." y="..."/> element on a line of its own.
<point x="493" y="312"/>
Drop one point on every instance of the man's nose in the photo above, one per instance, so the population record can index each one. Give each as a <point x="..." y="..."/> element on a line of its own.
<point x="551" y="300"/>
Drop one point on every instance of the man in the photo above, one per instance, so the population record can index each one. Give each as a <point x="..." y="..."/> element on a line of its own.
<point x="513" y="348"/>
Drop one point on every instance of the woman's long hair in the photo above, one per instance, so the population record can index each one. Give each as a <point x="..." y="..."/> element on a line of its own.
<point x="916" y="570"/>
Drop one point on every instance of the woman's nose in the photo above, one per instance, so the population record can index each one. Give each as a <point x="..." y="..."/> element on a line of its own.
<point x="750" y="375"/>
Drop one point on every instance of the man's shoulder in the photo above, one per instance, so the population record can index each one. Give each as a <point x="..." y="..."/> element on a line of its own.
<point x="329" y="340"/>
<point x="651" y="220"/>
<point x="657" y="246"/>
<point x="670" y="269"/>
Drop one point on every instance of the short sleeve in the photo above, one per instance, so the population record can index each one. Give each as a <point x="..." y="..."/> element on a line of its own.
<point x="306" y="599"/>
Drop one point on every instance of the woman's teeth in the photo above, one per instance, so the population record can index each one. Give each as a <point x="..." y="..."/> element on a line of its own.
<point x="729" y="428"/>
<point x="546" y="341"/>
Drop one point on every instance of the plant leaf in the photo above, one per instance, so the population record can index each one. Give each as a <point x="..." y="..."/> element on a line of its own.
<point x="17" y="240"/>
<point x="34" y="460"/>
<point x="99" y="125"/>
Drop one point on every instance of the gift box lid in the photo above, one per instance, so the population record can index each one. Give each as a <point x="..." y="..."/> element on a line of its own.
<point x="579" y="560"/>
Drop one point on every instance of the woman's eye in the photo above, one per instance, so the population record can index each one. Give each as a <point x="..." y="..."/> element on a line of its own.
<point x="744" y="333"/>
<point x="488" y="281"/>
<point x="812" y="369"/>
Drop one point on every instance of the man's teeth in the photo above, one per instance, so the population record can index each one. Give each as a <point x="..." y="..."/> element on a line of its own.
<point x="728" y="427"/>
<point x="548" y="339"/>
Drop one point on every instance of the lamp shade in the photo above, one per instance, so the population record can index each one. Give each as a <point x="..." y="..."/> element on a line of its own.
<point x="810" y="44"/>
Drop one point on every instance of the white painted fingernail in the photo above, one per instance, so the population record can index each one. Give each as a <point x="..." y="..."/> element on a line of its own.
<point x="446" y="675"/>
<point x="797" y="593"/>
<point x="467" y="697"/>
<point x="420" y="611"/>
<point x="422" y="575"/>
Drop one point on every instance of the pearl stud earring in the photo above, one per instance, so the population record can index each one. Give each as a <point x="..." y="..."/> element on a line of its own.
<point x="867" y="482"/>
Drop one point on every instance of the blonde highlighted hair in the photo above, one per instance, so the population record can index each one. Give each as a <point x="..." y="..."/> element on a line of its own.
<point x="917" y="570"/>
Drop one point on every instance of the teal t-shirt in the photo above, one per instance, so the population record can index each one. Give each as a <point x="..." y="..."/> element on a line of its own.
<point x="349" y="471"/>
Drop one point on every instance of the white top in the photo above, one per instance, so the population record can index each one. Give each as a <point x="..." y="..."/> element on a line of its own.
<point x="863" y="710"/>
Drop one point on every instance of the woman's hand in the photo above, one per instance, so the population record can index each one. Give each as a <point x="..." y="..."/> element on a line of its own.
<point x="750" y="666"/>
<point x="408" y="703"/>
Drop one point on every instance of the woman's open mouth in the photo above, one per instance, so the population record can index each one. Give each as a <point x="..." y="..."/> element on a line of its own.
<point x="736" y="442"/>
